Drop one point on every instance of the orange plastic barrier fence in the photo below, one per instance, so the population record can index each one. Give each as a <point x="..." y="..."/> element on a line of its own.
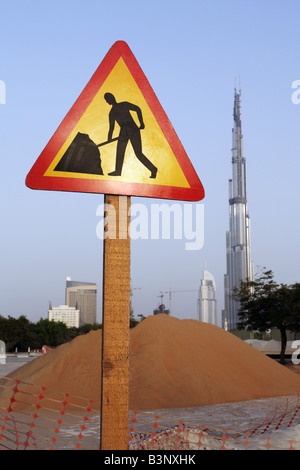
<point x="33" y="417"/>
<point x="163" y="434"/>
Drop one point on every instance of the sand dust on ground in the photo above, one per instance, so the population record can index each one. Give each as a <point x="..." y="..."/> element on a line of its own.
<point x="173" y="363"/>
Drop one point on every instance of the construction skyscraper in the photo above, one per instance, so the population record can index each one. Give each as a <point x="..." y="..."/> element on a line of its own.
<point x="239" y="265"/>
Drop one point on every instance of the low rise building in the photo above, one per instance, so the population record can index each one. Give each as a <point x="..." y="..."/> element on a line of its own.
<point x="68" y="315"/>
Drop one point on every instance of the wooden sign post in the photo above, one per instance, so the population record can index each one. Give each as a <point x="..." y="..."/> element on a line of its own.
<point x="115" y="324"/>
<point x="72" y="161"/>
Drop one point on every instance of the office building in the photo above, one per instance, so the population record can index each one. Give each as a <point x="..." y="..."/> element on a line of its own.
<point x="82" y="296"/>
<point x="64" y="314"/>
<point x="207" y="304"/>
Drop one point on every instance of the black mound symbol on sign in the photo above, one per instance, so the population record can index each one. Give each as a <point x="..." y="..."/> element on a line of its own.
<point x="82" y="156"/>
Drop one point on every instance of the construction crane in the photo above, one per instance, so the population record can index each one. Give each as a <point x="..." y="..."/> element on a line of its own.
<point x="171" y="291"/>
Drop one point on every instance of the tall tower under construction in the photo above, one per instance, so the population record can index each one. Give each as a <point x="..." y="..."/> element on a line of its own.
<point x="239" y="265"/>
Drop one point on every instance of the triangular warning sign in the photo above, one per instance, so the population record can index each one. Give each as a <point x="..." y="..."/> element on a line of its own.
<point x="117" y="139"/>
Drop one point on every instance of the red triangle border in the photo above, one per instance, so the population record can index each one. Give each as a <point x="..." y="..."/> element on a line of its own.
<point x="36" y="179"/>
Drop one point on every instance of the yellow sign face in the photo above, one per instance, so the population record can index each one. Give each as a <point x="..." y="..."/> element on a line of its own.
<point x="117" y="139"/>
<point x="95" y="123"/>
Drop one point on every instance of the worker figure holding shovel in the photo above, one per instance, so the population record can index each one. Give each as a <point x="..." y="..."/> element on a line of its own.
<point x="120" y="113"/>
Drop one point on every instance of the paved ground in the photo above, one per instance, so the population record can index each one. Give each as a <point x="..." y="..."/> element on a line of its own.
<point x="14" y="362"/>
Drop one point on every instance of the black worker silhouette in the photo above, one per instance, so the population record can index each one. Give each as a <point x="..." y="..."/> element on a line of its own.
<point x="129" y="131"/>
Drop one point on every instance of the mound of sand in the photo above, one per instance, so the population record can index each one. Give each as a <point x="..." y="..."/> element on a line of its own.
<point x="173" y="363"/>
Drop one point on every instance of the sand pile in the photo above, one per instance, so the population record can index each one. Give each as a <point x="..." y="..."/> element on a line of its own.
<point x="174" y="363"/>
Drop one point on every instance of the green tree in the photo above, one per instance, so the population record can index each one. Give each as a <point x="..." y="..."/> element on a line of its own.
<point x="87" y="327"/>
<point x="51" y="333"/>
<point x="20" y="333"/>
<point x="264" y="305"/>
<point x="134" y="322"/>
<point x="16" y="333"/>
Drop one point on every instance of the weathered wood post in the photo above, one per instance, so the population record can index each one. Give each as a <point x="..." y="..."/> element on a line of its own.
<point x="116" y="333"/>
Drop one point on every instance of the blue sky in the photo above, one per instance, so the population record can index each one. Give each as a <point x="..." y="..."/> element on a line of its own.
<point x="191" y="53"/>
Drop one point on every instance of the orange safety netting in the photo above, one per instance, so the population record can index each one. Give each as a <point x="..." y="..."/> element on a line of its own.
<point x="279" y="430"/>
<point x="33" y="417"/>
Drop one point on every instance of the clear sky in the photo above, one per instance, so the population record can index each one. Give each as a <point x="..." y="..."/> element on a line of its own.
<point x="191" y="53"/>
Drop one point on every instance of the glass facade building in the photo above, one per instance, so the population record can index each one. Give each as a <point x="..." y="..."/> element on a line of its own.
<point x="207" y="304"/>
<point x="82" y="296"/>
